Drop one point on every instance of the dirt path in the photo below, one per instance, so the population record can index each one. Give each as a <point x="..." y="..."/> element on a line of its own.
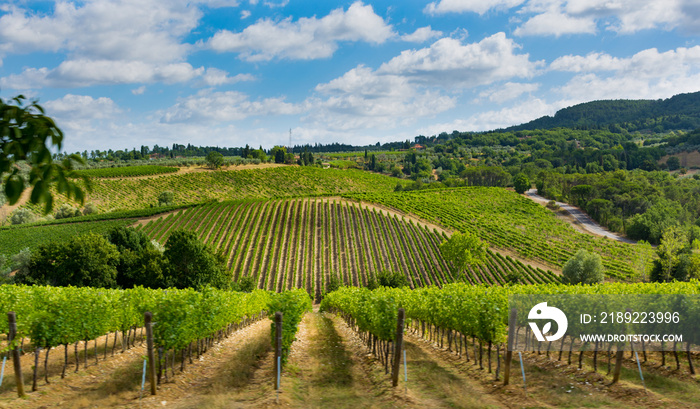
<point x="327" y="370"/>
<point x="580" y="219"/>
<point x="6" y="210"/>
<point x="553" y="384"/>
<point x="110" y="383"/>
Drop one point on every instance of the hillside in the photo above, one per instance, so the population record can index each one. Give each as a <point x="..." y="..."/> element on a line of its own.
<point x="678" y="112"/>
<point x="299" y="243"/>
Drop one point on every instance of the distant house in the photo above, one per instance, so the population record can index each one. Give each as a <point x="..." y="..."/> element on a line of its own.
<point x="418" y="147"/>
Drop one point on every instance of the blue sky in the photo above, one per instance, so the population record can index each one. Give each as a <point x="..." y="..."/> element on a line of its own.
<point x="125" y="73"/>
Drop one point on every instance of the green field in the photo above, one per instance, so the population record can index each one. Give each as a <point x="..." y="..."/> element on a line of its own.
<point x="264" y="183"/>
<point x="126" y="171"/>
<point x="507" y="221"/>
<point x="298" y="243"/>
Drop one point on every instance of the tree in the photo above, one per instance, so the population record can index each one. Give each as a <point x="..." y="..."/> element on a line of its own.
<point x="166" y="198"/>
<point x="463" y="250"/>
<point x="583" y="268"/>
<point x="673" y="163"/>
<point x="215" y="160"/>
<point x="193" y="264"/>
<point x="673" y="241"/>
<point x="643" y="260"/>
<point x="26" y="134"/>
<point x="521" y="183"/>
<point x="393" y="279"/>
<point x="88" y="260"/>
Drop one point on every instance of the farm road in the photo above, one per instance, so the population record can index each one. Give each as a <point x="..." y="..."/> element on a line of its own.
<point x="582" y="218"/>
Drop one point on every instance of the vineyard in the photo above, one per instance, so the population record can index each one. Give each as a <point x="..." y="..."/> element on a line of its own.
<point x="507" y="220"/>
<point x="126" y="171"/>
<point x="298" y="243"/>
<point x="12" y="241"/>
<point x="264" y="183"/>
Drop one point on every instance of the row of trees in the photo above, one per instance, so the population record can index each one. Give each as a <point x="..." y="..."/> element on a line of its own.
<point x="125" y="258"/>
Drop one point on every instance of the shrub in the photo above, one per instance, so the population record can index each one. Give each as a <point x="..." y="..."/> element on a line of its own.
<point x="22" y="216"/>
<point x="66" y="211"/>
<point x="583" y="268"/>
<point x="166" y="198"/>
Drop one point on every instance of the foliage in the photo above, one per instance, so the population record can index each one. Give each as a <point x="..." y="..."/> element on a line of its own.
<point x="673" y="163"/>
<point x="463" y="250"/>
<point x="292" y="304"/>
<point x="193" y="264"/>
<point x="26" y="134"/>
<point x="583" y="268"/>
<point x="85" y="260"/>
<point x="521" y="183"/>
<point x="15" y="239"/>
<point x="22" y="216"/>
<point x="66" y="211"/>
<point x="126" y="171"/>
<point x="215" y="160"/>
<point x="166" y="198"/>
<point x="393" y="279"/>
<point x="246" y="284"/>
<point x="89" y="209"/>
<point x="140" y="262"/>
<point x="673" y="242"/>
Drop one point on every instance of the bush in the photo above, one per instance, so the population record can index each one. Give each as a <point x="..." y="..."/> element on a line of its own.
<point x="246" y="284"/>
<point x="88" y="260"/>
<point x="215" y="159"/>
<point x="66" y="211"/>
<point x="391" y="279"/>
<point x="166" y="198"/>
<point x="521" y="183"/>
<point x="90" y="208"/>
<point x="583" y="268"/>
<point x="22" y="216"/>
<point x="193" y="264"/>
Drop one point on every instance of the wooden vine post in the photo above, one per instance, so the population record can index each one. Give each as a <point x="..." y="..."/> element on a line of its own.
<point x="398" y="347"/>
<point x="12" y="321"/>
<point x="151" y="370"/>
<point x="511" y="339"/>
<point x="278" y="348"/>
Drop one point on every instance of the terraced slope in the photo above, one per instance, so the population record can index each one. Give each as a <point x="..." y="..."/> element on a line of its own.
<point x="298" y="243"/>
<point x="507" y="221"/>
<point x="259" y="183"/>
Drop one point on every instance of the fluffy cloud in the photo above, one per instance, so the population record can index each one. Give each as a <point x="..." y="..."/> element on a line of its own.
<point x="449" y="63"/>
<point x="362" y="99"/>
<point x="554" y="22"/>
<point x="560" y="17"/>
<point x="84" y="73"/>
<point x="646" y="74"/>
<point x="81" y="112"/>
<point x="148" y="31"/>
<point x="225" y="107"/>
<point x="421" y="35"/>
<point x="476" y="6"/>
<point x="305" y="39"/>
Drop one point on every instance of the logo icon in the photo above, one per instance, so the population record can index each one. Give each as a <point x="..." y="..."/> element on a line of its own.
<point x="542" y="312"/>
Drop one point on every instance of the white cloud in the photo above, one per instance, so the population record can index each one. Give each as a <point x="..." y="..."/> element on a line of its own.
<point x="225" y="107"/>
<point x="508" y="91"/>
<point x="556" y="23"/>
<point x="363" y="99"/>
<point x="476" y="6"/>
<point x="215" y="77"/>
<point x="139" y="91"/>
<point x="591" y="62"/>
<point x="502" y="118"/>
<point x="245" y="14"/>
<point x="81" y="112"/>
<point x="421" y="35"/>
<point x="450" y="64"/>
<point x="646" y="74"/>
<point x="305" y="39"/>
<point x="147" y="31"/>
<point x="85" y="73"/>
